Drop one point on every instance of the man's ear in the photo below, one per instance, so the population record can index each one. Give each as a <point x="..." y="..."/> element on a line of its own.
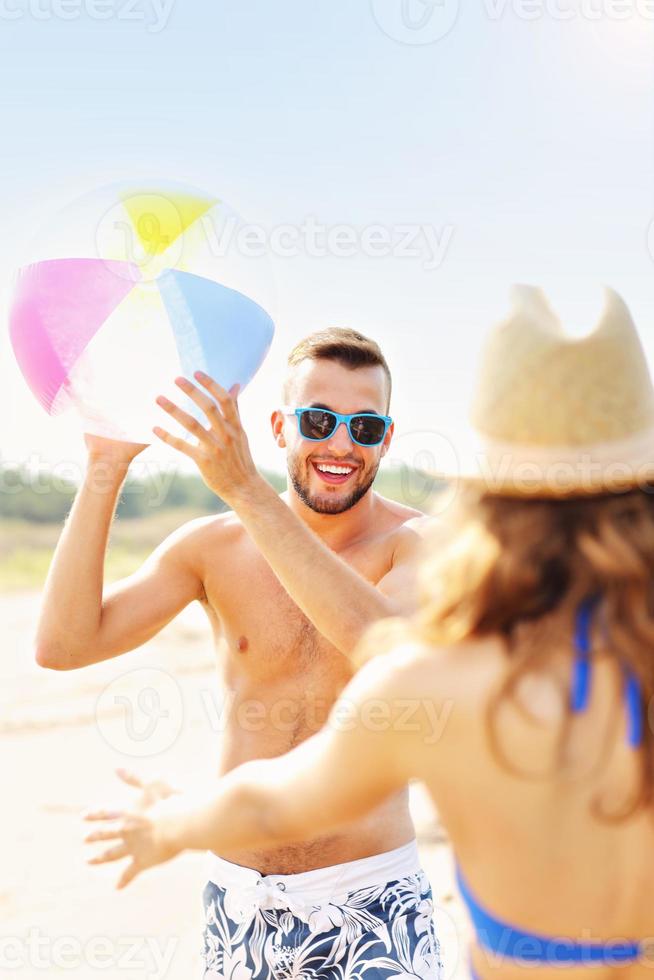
<point x="386" y="444"/>
<point x="277" y="425"/>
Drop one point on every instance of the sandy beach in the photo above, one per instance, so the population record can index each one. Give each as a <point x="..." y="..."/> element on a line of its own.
<point x="156" y="711"/>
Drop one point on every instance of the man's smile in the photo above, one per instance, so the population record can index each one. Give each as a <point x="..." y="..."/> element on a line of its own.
<point x="332" y="472"/>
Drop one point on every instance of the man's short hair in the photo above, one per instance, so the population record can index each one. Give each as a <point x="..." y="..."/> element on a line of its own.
<point x="341" y="344"/>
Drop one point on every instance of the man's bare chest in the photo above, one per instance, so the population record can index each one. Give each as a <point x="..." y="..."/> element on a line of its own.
<point x="260" y="624"/>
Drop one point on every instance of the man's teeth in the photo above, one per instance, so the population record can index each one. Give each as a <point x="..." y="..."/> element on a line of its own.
<point x="338" y="470"/>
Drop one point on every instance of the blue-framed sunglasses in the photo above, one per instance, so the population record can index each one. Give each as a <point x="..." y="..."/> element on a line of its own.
<point x="318" y="424"/>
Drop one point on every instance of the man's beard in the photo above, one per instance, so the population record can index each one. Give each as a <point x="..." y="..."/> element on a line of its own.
<point x="328" y="504"/>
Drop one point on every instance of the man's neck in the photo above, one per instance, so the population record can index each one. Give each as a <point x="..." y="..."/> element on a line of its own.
<point x="336" y="530"/>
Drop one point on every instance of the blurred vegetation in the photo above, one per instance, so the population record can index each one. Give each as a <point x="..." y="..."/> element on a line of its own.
<point x="33" y="507"/>
<point x="45" y="497"/>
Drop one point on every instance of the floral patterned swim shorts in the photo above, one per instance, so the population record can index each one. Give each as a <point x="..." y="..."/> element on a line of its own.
<point x="315" y="926"/>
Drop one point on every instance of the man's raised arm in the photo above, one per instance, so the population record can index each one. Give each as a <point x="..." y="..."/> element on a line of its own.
<point x="79" y="623"/>
<point x="340" y="602"/>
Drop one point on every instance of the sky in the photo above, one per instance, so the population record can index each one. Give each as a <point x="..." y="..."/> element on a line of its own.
<point x="512" y="139"/>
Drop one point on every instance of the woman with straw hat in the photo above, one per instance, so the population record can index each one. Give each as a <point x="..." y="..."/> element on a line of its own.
<point x="534" y="652"/>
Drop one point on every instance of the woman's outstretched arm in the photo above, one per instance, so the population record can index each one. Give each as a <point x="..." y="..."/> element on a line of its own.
<point x="366" y="752"/>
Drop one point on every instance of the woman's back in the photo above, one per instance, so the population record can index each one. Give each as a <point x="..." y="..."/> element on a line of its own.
<point x="533" y="812"/>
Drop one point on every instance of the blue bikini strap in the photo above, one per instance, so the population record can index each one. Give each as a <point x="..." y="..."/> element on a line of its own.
<point x="580" y="692"/>
<point x="633" y="695"/>
<point x="499" y="936"/>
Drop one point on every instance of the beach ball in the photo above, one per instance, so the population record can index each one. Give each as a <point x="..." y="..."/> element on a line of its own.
<point x="127" y="288"/>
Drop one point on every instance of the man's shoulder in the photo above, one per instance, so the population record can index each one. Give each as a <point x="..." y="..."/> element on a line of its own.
<point x="213" y="541"/>
<point x="407" y="525"/>
<point x="401" y="513"/>
<point x="211" y="530"/>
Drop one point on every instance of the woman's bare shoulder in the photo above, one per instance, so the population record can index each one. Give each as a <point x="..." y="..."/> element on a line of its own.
<point x="418" y="669"/>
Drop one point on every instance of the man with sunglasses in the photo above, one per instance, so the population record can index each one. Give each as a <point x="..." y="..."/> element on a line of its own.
<point x="289" y="583"/>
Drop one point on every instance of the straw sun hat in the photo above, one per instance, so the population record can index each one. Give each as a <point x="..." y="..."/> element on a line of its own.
<point x="554" y="415"/>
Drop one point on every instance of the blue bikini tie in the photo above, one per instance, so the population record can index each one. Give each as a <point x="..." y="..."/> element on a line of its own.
<point x="580" y="693"/>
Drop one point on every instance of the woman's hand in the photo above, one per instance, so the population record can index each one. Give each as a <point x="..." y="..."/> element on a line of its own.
<point x="146" y="833"/>
<point x="151" y="793"/>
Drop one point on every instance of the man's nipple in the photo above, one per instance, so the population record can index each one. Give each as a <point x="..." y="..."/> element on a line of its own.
<point x="243" y="644"/>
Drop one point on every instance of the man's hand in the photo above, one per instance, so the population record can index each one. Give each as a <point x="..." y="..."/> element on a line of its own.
<point x="145" y="833"/>
<point x="222" y="453"/>
<point x="112" y="450"/>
